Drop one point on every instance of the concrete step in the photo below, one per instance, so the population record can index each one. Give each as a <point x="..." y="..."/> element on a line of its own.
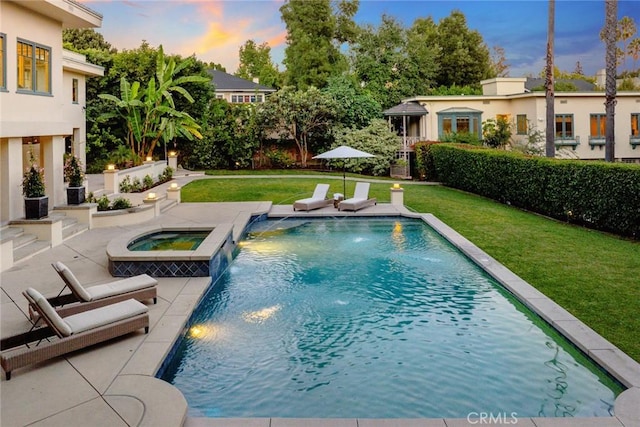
<point x="23" y="240"/>
<point x="72" y="230"/>
<point x="33" y="248"/>
<point x="9" y="233"/>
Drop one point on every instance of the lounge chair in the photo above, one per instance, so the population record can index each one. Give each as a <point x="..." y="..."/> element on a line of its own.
<point x="359" y="200"/>
<point x="74" y="332"/>
<point x="141" y="288"/>
<point x="317" y="200"/>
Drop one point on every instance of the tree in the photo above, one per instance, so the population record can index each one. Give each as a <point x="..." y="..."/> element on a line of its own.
<point x="355" y="107"/>
<point x="393" y="63"/>
<point x="255" y="62"/>
<point x="150" y="111"/>
<point x="633" y="50"/>
<point x="550" y="146"/>
<point x="79" y="39"/>
<point x="627" y="29"/>
<point x="377" y="139"/>
<point x="499" y="65"/>
<point x="496" y="133"/>
<point x="301" y="115"/>
<point x="578" y="70"/>
<point x="312" y="54"/>
<point x="230" y="137"/>
<point x="463" y="56"/>
<point x="611" y="11"/>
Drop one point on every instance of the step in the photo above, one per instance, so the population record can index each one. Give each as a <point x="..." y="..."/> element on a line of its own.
<point x="30" y="250"/>
<point x="73" y="229"/>
<point x="23" y="240"/>
<point x="10" y="233"/>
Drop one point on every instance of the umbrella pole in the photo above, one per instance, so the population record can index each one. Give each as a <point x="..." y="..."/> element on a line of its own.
<point x="344" y="182"/>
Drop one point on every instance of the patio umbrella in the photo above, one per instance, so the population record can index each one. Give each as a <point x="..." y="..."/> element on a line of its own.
<point x="343" y="152"/>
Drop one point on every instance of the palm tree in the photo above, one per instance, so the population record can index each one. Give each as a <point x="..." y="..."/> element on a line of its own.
<point x="611" y="12"/>
<point x="550" y="147"/>
<point x="627" y="29"/>
<point x="633" y="50"/>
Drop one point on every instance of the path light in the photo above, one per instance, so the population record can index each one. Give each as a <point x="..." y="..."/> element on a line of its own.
<point x="111" y="167"/>
<point x="151" y="196"/>
<point x="172" y="153"/>
<point x="149" y="158"/>
<point x="174" y="185"/>
<point x="396" y="186"/>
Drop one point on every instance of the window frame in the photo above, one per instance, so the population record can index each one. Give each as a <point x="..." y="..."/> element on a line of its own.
<point x="564" y="134"/>
<point x="3" y="66"/>
<point x="525" y="123"/>
<point x="473" y="119"/>
<point x="635" y="135"/>
<point x="75" y="96"/>
<point x="33" y="90"/>
<point x="601" y="125"/>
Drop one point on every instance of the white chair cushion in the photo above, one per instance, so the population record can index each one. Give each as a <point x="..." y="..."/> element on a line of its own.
<point x="121" y="286"/>
<point x="58" y="322"/>
<point x="73" y="282"/>
<point x="104" y="315"/>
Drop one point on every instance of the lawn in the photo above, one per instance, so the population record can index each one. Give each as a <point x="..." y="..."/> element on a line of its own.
<point x="594" y="275"/>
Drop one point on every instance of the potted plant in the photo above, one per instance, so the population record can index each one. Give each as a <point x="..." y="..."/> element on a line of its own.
<point x="74" y="175"/>
<point x="36" y="204"/>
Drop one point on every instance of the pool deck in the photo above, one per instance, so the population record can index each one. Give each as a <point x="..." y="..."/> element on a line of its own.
<point x="112" y="384"/>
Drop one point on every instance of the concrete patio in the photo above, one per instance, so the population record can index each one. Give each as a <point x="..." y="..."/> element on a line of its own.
<point x="113" y="384"/>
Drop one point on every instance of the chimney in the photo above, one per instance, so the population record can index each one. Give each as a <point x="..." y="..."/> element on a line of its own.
<point x="256" y="80"/>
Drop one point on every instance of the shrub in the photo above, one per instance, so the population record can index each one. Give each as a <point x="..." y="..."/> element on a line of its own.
<point x="461" y="138"/>
<point x="103" y="203"/>
<point x="73" y="173"/>
<point x="120" y="203"/>
<point x="125" y="185"/>
<point x="424" y="160"/>
<point x="599" y="195"/>
<point x="136" y="185"/>
<point x="147" y="182"/>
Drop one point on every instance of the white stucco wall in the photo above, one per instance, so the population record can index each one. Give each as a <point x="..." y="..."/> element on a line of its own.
<point x="47" y="118"/>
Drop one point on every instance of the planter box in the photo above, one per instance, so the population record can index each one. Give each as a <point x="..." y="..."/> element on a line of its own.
<point x="36" y="207"/>
<point x="75" y="195"/>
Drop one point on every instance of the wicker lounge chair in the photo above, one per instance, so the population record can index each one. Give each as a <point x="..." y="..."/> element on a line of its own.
<point x="141" y="288"/>
<point x="73" y="332"/>
<point x="359" y="200"/>
<point x="317" y="200"/>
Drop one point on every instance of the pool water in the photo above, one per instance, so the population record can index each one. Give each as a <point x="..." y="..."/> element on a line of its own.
<point x="169" y="241"/>
<point x="373" y="319"/>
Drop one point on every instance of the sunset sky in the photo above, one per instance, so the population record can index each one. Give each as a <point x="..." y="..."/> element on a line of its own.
<point x="214" y="30"/>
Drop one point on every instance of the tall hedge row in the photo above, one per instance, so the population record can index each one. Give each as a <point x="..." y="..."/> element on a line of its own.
<point x="604" y="196"/>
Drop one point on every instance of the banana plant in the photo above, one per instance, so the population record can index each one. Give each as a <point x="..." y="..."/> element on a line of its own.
<point x="150" y="112"/>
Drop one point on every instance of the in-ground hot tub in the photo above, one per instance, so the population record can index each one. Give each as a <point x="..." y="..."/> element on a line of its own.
<point x="212" y="254"/>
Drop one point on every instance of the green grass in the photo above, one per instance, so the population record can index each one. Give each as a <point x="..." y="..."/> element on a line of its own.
<point x="594" y="275"/>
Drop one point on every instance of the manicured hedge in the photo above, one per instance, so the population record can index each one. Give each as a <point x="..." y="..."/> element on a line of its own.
<point x="604" y="196"/>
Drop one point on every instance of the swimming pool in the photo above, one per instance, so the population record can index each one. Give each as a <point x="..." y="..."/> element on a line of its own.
<point x="373" y="319"/>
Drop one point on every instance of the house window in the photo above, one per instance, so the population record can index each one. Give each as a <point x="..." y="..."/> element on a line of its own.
<point x="521" y="124"/>
<point x="74" y="91"/>
<point x="597" y="124"/>
<point x="459" y="122"/>
<point x="564" y="126"/>
<point x="246" y="98"/>
<point x="34" y="67"/>
<point x="635" y="122"/>
<point x="3" y="62"/>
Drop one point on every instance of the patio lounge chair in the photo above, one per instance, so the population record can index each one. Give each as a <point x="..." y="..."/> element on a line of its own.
<point x="359" y="200"/>
<point x="317" y="200"/>
<point x="74" y="332"/>
<point x="141" y="288"/>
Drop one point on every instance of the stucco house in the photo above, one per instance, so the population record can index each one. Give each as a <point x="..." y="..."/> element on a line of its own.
<point x="237" y="90"/>
<point x="579" y="117"/>
<point x="42" y="95"/>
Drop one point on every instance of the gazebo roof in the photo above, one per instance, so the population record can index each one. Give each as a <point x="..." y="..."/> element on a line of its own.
<point x="406" y="109"/>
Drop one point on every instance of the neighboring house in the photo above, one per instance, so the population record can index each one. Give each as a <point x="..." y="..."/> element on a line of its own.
<point x="42" y="95"/>
<point x="579" y="117"/>
<point x="236" y="90"/>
